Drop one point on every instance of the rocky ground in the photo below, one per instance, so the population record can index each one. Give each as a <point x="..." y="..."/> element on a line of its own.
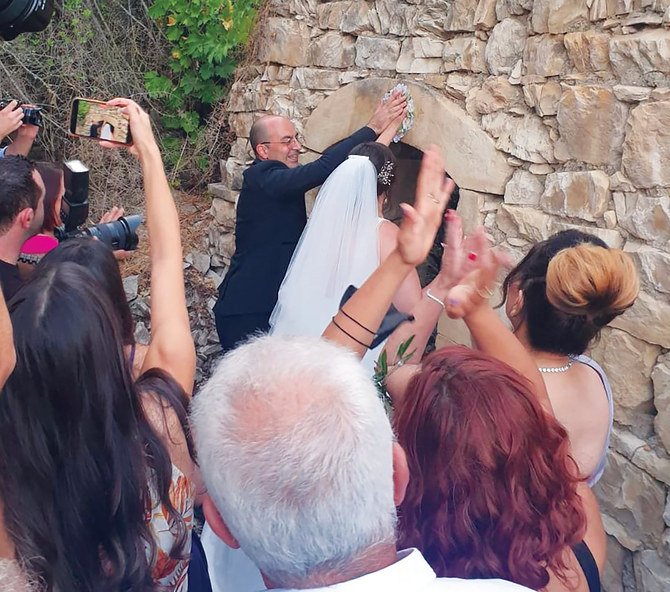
<point x="201" y="282"/>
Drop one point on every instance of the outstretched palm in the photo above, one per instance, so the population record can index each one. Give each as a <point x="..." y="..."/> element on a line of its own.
<point x="420" y="223"/>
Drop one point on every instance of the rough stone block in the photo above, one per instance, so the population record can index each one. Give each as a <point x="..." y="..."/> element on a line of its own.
<point x="545" y="55"/>
<point x="645" y="217"/>
<point x="223" y="192"/>
<point x="588" y="51"/>
<point x="377" y="53"/>
<point x="653" y="264"/>
<point x="470" y="208"/>
<point x="646" y="150"/>
<point x="543" y="97"/>
<point x="224" y="213"/>
<point x="619" y="564"/>
<point x="661" y="380"/>
<point x="558" y="16"/>
<point x="315" y="79"/>
<point x="461" y="16"/>
<point x="505" y="46"/>
<point x="643" y="58"/>
<point x="394" y="17"/>
<point x="287" y="42"/>
<point x="591" y="124"/>
<point x="525" y="222"/>
<point x="648" y="319"/>
<point x="464" y="53"/>
<point x="652" y="573"/>
<point x="329" y="15"/>
<point x="416" y="57"/>
<point x="632" y="389"/>
<point x="525" y="137"/>
<point x="633" y="501"/>
<point x="495" y="94"/>
<point x="631" y="94"/>
<point x="524" y="189"/>
<point x="582" y="195"/>
<point x="357" y="18"/>
<point x="333" y="50"/>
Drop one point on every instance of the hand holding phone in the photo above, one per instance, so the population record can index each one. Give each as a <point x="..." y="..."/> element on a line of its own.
<point x="98" y="120"/>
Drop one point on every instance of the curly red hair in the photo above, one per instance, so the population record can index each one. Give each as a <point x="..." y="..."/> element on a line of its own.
<point x="493" y="489"/>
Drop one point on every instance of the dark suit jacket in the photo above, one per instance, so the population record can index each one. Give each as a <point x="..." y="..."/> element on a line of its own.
<point x="270" y="219"/>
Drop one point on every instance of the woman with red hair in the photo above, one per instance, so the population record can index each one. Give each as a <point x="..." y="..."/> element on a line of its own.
<point x="494" y="491"/>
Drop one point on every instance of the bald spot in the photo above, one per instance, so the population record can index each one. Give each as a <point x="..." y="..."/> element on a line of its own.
<point x="262" y="128"/>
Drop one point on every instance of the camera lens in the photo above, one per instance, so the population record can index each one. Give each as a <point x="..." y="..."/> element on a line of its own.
<point x="23" y="16"/>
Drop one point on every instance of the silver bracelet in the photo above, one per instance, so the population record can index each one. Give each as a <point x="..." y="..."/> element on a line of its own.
<point x="434" y="298"/>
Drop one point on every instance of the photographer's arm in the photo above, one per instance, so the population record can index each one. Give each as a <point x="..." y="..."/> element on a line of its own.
<point x="171" y="347"/>
<point x="23" y="142"/>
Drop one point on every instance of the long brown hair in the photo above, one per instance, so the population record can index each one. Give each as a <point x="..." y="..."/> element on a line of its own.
<point x="493" y="492"/>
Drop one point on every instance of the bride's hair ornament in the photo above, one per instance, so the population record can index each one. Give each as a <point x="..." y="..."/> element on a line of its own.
<point x="385" y="176"/>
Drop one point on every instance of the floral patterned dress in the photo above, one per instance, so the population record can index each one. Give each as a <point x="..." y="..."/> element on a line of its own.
<point x="172" y="574"/>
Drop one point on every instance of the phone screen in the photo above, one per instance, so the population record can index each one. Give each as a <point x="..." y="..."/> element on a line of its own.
<point x="96" y="121"/>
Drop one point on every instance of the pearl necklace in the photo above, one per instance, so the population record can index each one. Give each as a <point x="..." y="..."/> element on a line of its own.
<point x="556" y="369"/>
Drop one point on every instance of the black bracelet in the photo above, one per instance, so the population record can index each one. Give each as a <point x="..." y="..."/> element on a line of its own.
<point x="355" y="321"/>
<point x="366" y="346"/>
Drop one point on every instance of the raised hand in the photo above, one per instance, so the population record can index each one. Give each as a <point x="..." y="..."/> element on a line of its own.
<point x="387" y="112"/>
<point x="421" y="221"/>
<point x="476" y="287"/>
<point x="140" y="128"/>
<point x="11" y="119"/>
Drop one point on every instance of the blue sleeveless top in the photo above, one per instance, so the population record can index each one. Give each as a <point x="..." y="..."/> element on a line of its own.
<point x="600" y="468"/>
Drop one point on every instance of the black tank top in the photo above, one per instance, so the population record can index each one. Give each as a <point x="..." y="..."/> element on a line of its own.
<point x="588" y="565"/>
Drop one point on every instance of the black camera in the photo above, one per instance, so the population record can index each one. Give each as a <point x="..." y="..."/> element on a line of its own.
<point x="31" y="115"/>
<point x="24" y="16"/>
<point x="120" y="234"/>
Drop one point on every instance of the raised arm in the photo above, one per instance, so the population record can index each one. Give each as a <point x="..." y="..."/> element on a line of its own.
<point x="23" y="142"/>
<point x="469" y="300"/>
<point x="279" y="179"/>
<point x="171" y="347"/>
<point x="355" y="325"/>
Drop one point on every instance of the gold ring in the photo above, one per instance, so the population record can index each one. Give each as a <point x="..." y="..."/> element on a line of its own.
<point x="484" y="293"/>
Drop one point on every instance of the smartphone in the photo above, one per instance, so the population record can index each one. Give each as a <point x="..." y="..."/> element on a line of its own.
<point x="96" y="120"/>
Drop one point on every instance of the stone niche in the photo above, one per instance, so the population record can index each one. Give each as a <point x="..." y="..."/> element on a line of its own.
<point x="550" y="115"/>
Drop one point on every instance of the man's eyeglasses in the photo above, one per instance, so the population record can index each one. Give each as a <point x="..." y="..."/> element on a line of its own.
<point x="286" y="141"/>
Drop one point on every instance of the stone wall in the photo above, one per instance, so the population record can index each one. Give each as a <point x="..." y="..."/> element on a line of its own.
<point x="552" y="114"/>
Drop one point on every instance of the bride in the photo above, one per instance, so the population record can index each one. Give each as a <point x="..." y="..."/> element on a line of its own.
<point x="345" y="240"/>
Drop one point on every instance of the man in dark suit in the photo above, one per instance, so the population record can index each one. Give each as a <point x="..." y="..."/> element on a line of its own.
<point x="271" y="217"/>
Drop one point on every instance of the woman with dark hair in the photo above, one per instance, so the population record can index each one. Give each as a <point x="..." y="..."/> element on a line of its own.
<point x="558" y="298"/>
<point x="101" y="263"/>
<point x="98" y="481"/>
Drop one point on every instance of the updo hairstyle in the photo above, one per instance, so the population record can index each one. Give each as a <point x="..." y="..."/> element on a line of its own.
<point x="573" y="285"/>
<point x="384" y="162"/>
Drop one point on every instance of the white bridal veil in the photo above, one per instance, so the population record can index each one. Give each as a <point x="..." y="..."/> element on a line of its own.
<point x="338" y="247"/>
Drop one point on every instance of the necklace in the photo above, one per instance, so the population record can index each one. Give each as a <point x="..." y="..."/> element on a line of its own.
<point x="556" y="369"/>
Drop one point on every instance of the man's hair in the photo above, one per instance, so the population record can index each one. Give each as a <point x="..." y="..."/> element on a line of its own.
<point x="296" y="451"/>
<point x="18" y="189"/>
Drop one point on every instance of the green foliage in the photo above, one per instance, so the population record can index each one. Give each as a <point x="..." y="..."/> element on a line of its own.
<point x="203" y="36"/>
<point x="383" y="370"/>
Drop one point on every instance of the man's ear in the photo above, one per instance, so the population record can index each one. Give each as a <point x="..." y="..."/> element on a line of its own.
<point x="25" y="218"/>
<point x="261" y="152"/>
<point x="400" y="474"/>
<point x="216" y="523"/>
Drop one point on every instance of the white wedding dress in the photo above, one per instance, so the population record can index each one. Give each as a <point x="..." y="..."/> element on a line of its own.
<point x="338" y="248"/>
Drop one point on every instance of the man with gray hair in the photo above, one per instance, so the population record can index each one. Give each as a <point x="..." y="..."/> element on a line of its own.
<point x="303" y="471"/>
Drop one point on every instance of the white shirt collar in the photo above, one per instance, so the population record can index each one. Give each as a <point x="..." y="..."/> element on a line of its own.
<point x="410" y="572"/>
